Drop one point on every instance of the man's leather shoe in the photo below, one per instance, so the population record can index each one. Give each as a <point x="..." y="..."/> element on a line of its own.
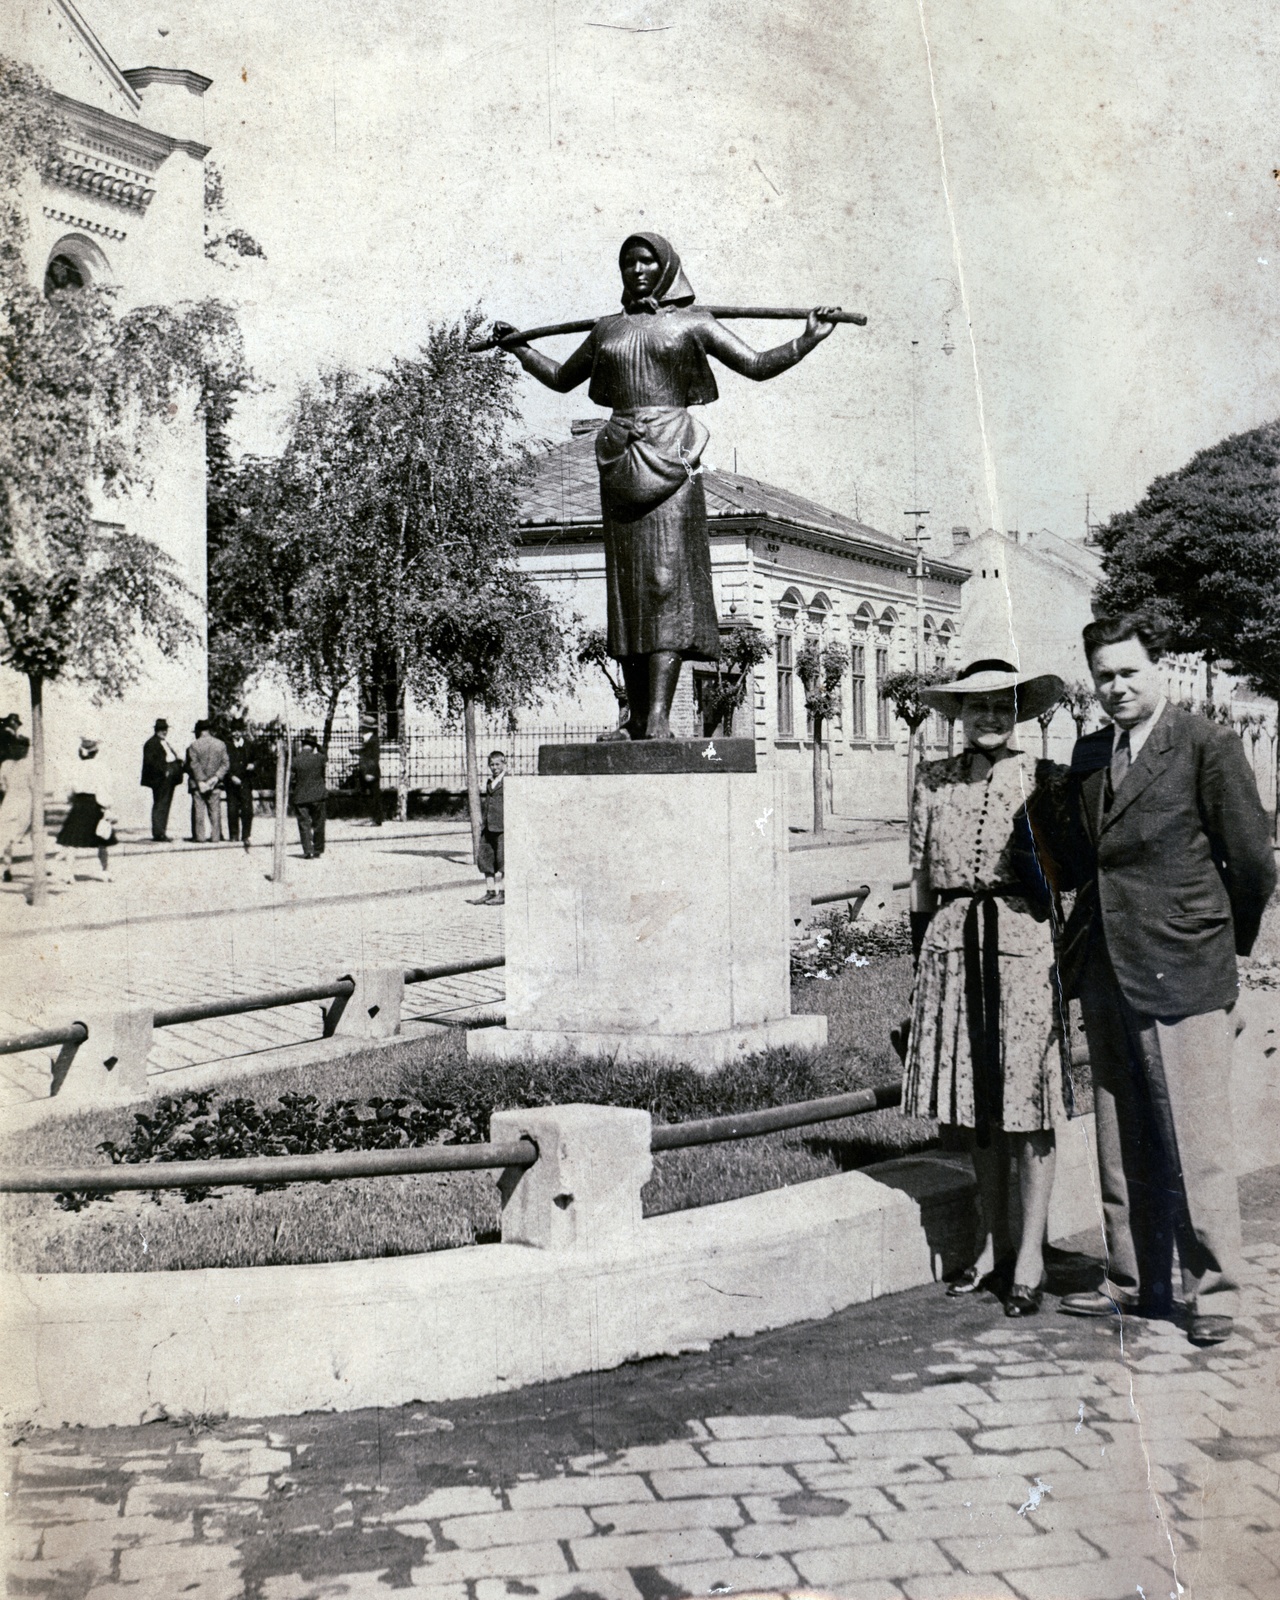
<point x="1094" y="1303"/>
<point x="1209" y="1330"/>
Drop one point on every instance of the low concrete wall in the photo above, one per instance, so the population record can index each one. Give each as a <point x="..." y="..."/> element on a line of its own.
<point x="103" y="1349"/>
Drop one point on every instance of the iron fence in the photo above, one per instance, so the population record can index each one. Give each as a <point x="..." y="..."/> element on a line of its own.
<point x="436" y="758"/>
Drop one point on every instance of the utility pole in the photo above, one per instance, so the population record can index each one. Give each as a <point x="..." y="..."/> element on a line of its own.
<point x="917" y="537"/>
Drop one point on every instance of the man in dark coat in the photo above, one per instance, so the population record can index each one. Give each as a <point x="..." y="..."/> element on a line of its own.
<point x="1163" y="836"/>
<point x="308" y="793"/>
<point x="369" y="776"/>
<point x="161" y="773"/>
<point x="239" y="783"/>
<point x="491" y="857"/>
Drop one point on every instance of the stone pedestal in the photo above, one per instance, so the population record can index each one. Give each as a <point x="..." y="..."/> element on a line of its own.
<point x="646" y="918"/>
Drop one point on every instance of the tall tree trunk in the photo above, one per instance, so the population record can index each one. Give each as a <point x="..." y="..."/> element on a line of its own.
<point x="1275" y="763"/>
<point x="818" y="818"/>
<point x="912" y="730"/>
<point x="282" y="808"/>
<point x="330" y="711"/>
<point x="1210" y="672"/>
<point x="39" y="883"/>
<point x="473" y="771"/>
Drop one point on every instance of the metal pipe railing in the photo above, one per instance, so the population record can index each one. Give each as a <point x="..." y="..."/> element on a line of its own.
<point x="454" y="969"/>
<point x="317" y="1168"/>
<point x="326" y="1165"/>
<point x="859" y="893"/>
<point x="751" y="1124"/>
<point x="205" y="1010"/>
<point x="175" y="1016"/>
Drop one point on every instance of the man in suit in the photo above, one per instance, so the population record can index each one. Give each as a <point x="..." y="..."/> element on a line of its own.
<point x="161" y="773"/>
<point x="308" y="793"/>
<point x="207" y="763"/>
<point x="1164" y="838"/>
<point x="491" y="857"/>
<point x="369" y="777"/>
<point x="239" y="783"/>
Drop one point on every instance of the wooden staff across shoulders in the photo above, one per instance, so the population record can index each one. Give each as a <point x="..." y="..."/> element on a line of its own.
<point x="721" y="313"/>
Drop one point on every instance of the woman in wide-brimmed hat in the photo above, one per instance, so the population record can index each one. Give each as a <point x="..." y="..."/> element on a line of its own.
<point x="984" y="1051"/>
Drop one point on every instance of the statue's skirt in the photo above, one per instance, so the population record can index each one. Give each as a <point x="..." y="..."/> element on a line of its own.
<point x="656" y="553"/>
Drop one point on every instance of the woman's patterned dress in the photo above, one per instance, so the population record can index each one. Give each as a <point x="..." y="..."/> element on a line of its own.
<point x="962" y="816"/>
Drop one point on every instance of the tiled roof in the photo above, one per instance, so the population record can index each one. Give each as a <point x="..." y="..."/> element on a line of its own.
<point x="566" y="489"/>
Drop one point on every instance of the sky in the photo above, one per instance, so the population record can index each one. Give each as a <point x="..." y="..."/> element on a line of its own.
<point x="1061" y="219"/>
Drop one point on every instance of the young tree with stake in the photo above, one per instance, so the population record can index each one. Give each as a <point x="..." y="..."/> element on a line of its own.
<point x="821" y="669"/>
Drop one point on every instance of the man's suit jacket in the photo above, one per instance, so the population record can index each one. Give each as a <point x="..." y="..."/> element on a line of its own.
<point x="491" y="807"/>
<point x="207" y="763"/>
<point x="1175" y="872"/>
<point x="157" y="773"/>
<point x="241" y="763"/>
<point x="308" y="777"/>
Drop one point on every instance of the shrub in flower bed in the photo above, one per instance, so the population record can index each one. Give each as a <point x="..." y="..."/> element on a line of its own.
<point x="837" y="940"/>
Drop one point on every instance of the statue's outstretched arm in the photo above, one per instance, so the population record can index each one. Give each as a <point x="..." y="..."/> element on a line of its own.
<point x="558" y="375"/>
<point x="738" y="356"/>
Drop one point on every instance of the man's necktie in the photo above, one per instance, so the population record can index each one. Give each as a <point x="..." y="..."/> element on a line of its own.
<point x="1120" y="761"/>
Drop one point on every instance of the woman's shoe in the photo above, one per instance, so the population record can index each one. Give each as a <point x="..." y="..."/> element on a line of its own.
<point x="971" y="1280"/>
<point x="1022" y="1301"/>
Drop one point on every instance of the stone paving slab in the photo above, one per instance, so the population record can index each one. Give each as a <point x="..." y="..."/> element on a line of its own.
<point x="611" y="1487"/>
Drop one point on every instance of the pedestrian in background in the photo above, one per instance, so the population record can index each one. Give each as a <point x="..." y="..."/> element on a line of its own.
<point x="161" y="773"/>
<point x="89" y="823"/>
<point x="207" y="764"/>
<point x="491" y="857"/>
<point x="309" y="794"/>
<point x="985" y="1048"/>
<point x="369" y="775"/>
<point x="1159" y="829"/>
<point x="15" y="784"/>
<point x="238" y="783"/>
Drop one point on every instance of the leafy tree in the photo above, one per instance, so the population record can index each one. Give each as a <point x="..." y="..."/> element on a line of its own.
<point x="220" y="242"/>
<point x="1080" y="700"/>
<point x="79" y="388"/>
<point x="387" y="532"/>
<point x="1045" y="719"/>
<point x="741" y="651"/>
<point x="1203" y="549"/>
<point x="464" y="621"/>
<point x="902" y="690"/>
<point x="593" y="651"/>
<point x="821" y="668"/>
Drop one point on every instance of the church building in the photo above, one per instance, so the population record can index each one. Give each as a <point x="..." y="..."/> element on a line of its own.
<point x="123" y="204"/>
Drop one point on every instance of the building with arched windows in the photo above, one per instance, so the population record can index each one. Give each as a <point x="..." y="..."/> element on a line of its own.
<point x="793" y="569"/>
<point x="122" y="203"/>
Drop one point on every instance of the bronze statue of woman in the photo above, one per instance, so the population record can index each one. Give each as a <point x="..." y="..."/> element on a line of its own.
<point x="649" y="364"/>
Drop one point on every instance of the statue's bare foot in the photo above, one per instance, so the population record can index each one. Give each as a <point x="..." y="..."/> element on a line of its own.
<point x="618" y="736"/>
<point x="659" y="728"/>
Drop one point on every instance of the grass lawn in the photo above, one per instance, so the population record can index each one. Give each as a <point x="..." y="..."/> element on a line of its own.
<point x="370" y="1217"/>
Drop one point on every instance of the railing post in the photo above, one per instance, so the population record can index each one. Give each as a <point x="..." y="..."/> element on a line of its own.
<point x="372" y="1009"/>
<point x="583" y="1192"/>
<point x="110" y="1066"/>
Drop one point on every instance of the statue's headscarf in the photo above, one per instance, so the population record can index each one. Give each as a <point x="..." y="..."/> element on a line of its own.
<point x="672" y="288"/>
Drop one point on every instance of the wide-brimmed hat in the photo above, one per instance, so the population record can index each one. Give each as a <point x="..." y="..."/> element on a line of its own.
<point x="1032" y="695"/>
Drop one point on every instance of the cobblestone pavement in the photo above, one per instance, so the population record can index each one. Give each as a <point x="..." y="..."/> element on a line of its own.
<point x="184" y="923"/>
<point x="911" y="1449"/>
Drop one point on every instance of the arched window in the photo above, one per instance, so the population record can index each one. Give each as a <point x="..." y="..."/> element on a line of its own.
<point x="74" y="262"/>
<point x="819" y="611"/>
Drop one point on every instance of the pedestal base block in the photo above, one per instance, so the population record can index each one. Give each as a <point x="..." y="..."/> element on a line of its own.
<point x="706" y="1052"/>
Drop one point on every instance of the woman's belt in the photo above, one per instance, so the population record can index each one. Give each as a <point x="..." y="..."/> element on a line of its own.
<point x="982" y="996"/>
